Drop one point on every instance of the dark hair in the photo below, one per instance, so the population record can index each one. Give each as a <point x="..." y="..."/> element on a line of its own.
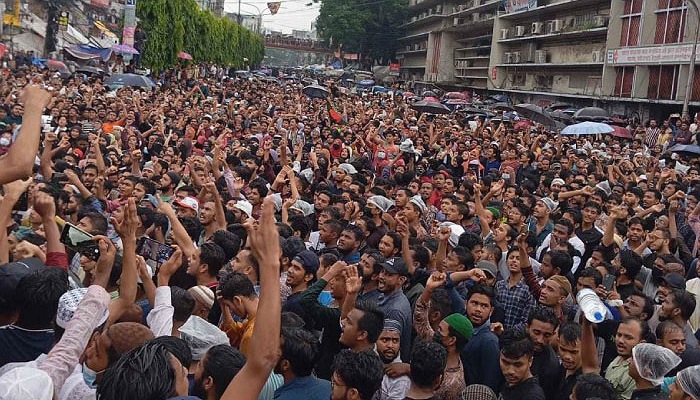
<point x="395" y="239"/>
<point x="591" y="272"/>
<point x="515" y="343"/>
<point x="543" y="314"/>
<point x="145" y="372"/>
<point x="285" y="231"/>
<point x="260" y="186"/>
<point x="372" y="320"/>
<point x="594" y="205"/>
<point x="182" y="302"/>
<point x="562" y="260"/>
<point x="441" y="302"/>
<point x="631" y="262"/>
<point x="177" y="347"/>
<point x="228" y="241"/>
<point x="234" y="284"/>
<point x="301" y="349"/>
<point x="213" y="255"/>
<point x="148" y="185"/>
<point x="222" y="362"/>
<point x="593" y="385"/>
<point x="478" y="288"/>
<point x="575" y="215"/>
<point x="570" y="332"/>
<point x="192" y="226"/>
<point x="470" y="240"/>
<point x="648" y="308"/>
<point x="97" y="220"/>
<point x="334" y="225"/>
<point x="667" y="327"/>
<point x="301" y="224"/>
<point x="645" y="333"/>
<point x="421" y="255"/>
<point x="37" y="295"/>
<point x="428" y="361"/>
<point x="361" y="370"/>
<point x="357" y="232"/>
<point x="565" y="222"/>
<point x="292" y="246"/>
<point x="684" y="300"/>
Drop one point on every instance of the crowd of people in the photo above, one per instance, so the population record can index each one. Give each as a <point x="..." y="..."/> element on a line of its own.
<point x="227" y="238"/>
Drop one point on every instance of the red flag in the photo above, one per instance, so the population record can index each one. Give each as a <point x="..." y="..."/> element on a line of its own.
<point x="335" y="115"/>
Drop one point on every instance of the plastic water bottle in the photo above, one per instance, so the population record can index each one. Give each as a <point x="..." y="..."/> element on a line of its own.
<point x="591" y="305"/>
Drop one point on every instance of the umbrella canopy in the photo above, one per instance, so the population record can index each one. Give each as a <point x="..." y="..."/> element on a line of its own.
<point x="119" y="80"/>
<point x="316" y="91"/>
<point x="501" y="98"/>
<point x="621" y="132"/>
<point x="687" y="149"/>
<point x="87" y="70"/>
<point x="60" y="66"/>
<point x="431" y="99"/>
<point x="587" y="128"/>
<point x="501" y="107"/>
<point x="558" y="106"/>
<point x="457" y="102"/>
<point x="430" y="107"/>
<point x="560" y="116"/>
<point x="457" y="95"/>
<point x="591" y="114"/>
<point x="429" y="93"/>
<point x="184" y="56"/>
<point x="522" y="125"/>
<point x="536" y="114"/>
<point x="408" y="94"/>
<point x="124" y="49"/>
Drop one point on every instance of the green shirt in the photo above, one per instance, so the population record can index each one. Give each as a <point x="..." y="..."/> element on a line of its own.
<point x="618" y="373"/>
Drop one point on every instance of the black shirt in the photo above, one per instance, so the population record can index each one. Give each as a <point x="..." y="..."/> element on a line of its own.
<point x="654" y="393"/>
<point x="566" y="384"/>
<point x="529" y="389"/>
<point x="545" y="366"/>
<point x="22" y="345"/>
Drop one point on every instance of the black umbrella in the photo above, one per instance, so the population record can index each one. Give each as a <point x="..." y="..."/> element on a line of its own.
<point x="430" y="107"/>
<point x="536" y="114"/>
<point x="120" y="80"/>
<point x="591" y="114"/>
<point x="689" y="150"/>
<point x="87" y="70"/>
<point x="316" y="91"/>
<point x="430" y="93"/>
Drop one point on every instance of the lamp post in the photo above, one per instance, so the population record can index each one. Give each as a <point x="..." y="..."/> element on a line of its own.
<point x="693" y="56"/>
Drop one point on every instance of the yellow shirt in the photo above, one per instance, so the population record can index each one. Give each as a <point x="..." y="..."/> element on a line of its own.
<point x="239" y="334"/>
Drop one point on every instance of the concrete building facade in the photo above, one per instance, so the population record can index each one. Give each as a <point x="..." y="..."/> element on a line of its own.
<point x="624" y="55"/>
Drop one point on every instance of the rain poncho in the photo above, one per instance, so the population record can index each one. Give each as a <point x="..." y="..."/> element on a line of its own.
<point x="689" y="380"/>
<point x="25" y="383"/>
<point x="653" y="362"/>
<point x="200" y="336"/>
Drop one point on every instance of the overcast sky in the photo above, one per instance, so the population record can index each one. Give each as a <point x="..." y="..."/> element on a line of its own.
<point x="293" y="14"/>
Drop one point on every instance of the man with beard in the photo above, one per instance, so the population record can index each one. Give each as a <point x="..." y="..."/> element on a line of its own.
<point x="393" y="302"/>
<point x="370" y="268"/>
<point x="215" y="371"/>
<point x="168" y="182"/>
<point x="300" y="350"/>
<point x="480" y="355"/>
<point x="630" y="332"/>
<point x="211" y="214"/>
<point x="540" y="327"/>
<point x="388" y="346"/>
<point x="300" y="274"/>
<point x="677" y="307"/>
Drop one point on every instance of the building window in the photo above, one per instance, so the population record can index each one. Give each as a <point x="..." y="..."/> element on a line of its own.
<point x="624" y="80"/>
<point x="663" y="82"/>
<point x="695" y="95"/>
<point x="670" y="21"/>
<point x="631" y="18"/>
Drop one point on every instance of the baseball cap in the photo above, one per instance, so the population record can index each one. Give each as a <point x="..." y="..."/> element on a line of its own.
<point x="188" y="202"/>
<point x="309" y="260"/>
<point x="488" y="267"/>
<point x="674" y="281"/>
<point x="11" y="273"/>
<point x="395" y="265"/>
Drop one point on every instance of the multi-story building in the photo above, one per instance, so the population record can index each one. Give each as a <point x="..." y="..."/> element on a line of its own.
<point x="448" y="42"/>
<point x="649" y="47"/>
<point x="551" y="50"/>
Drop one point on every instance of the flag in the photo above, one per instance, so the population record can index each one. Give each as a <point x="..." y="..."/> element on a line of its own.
<point x="273" y="7"/>
<point x="335" y="115"/>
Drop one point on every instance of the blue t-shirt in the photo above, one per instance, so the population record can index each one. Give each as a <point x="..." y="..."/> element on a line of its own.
<point x="308" y="388"/>
<point x="22" y="345"/>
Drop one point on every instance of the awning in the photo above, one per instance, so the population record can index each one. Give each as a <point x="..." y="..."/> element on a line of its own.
<point x="84" y="52"/>
<point x="104" y="29"/>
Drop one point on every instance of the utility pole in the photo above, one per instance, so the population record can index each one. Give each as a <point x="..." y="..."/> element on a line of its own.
<point x="51" y="27"/>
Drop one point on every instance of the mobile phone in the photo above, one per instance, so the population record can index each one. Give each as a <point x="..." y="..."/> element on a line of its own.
<point x="80" y="241"/>
<point x="609" y="281"/>
<point x="153" y="250"/>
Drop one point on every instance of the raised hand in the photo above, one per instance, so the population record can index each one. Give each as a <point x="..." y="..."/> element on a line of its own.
<point x="436" y="280"/>
<point x="353" y="283"/>
<point x="126" y="228"/>
<point x="264" y="238"/>
<point x="44" y="205"/>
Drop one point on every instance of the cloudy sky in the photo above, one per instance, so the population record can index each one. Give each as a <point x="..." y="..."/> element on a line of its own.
<point x="293" y="14"/>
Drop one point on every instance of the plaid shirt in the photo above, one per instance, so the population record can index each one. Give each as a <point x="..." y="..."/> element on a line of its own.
<point x="516" y="302"/>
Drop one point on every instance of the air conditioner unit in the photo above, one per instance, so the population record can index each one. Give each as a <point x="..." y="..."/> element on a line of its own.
<point x="541" y="57"/>
<point x="597" y="56"/>
<point x="504" y="33"/>
<point x="507" y="58"/>
<point x="520" y="31"/>
<point x="557" y="25"/>
<point x="537" y="28"/>
<point x="457" y="22"/>
<point x="476" y="17"/>
<point x="516" y="57"/>
<point x="600" y="21"/>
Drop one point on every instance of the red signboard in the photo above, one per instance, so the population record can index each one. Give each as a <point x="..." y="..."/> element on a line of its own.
<point x="394" y="67"/>
<point x="101" y="3"/>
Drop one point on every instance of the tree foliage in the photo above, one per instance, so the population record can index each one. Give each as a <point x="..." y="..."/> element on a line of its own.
<point x="371" y="27"/>
<point x="180" y="25"/>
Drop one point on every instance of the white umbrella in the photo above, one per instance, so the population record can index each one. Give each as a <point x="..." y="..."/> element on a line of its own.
<point x="587" y="128"/>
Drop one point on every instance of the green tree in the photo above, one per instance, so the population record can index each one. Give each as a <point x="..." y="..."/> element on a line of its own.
<point x="371" y="27"/>
<point x="176" y="25"/>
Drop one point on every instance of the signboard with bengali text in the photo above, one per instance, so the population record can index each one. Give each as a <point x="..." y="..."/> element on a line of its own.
<point x="673" y="54"/>
<point x="512" y="6"/>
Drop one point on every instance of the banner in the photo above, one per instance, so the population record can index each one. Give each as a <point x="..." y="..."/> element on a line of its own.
<point x="273" y="7"/>
<point x="512" y="6"/>
<point x="668" y="54"/>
